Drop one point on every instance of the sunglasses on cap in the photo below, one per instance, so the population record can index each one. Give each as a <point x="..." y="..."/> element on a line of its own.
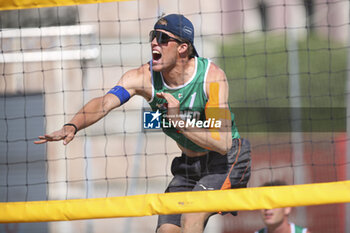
<point x="162" y="37"/>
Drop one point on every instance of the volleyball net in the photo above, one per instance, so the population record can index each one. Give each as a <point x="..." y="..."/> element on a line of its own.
<point x="287" y="64"/>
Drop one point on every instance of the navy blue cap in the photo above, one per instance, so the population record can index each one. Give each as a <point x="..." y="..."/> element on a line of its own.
<point x="179" y="25"/>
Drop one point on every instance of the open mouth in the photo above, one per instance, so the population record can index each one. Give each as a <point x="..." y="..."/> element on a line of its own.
<point x="156" y="55"/>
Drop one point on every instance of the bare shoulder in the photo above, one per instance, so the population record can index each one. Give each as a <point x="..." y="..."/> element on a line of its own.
<point x="216" y="84"/>
<point x="141" y="73"/>
<point x="216" y="74"/>
<point x="137" y="81"/>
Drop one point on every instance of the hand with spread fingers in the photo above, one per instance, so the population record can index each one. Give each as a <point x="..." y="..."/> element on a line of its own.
<point x="66" y="133"/>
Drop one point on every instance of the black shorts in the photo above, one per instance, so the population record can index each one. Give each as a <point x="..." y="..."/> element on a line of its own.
<point x="212" y="171"/>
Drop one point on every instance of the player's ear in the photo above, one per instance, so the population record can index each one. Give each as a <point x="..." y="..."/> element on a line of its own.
<point x="183" y="49"/>
<point x="287" y="210"/>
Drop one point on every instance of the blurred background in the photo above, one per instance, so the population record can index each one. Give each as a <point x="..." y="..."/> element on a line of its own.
<point x="287" y="63"/>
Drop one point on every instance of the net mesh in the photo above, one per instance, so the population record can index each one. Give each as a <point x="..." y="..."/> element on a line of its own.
<point x="287" y="65"/>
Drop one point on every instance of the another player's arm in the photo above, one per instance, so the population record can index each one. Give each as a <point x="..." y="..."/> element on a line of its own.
<point x="129" y="85"/>
<point x="217" y="107"/>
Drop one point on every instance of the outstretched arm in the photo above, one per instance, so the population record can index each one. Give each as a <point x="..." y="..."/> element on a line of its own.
<point x="99" y="107"/>
<point x="93" y="111"/>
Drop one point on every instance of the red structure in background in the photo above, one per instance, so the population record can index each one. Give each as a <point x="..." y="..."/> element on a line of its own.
<point x="272" y="158"/>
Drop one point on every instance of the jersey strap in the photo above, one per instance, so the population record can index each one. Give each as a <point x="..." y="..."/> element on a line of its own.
<point x="297" y="229"/>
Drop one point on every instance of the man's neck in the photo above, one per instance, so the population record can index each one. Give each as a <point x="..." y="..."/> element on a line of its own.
<point x="282" y="228"/>
<point x="181" y="73"/>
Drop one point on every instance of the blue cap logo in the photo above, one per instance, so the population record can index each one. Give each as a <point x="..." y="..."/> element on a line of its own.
<point x="187" y="30"/>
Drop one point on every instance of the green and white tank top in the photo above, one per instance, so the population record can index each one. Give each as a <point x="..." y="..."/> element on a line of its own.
<point x="293" y="229"/>
<point x="192" y="97"/>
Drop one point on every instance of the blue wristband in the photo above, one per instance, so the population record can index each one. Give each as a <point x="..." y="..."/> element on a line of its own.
<point x="122" y="94"/>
